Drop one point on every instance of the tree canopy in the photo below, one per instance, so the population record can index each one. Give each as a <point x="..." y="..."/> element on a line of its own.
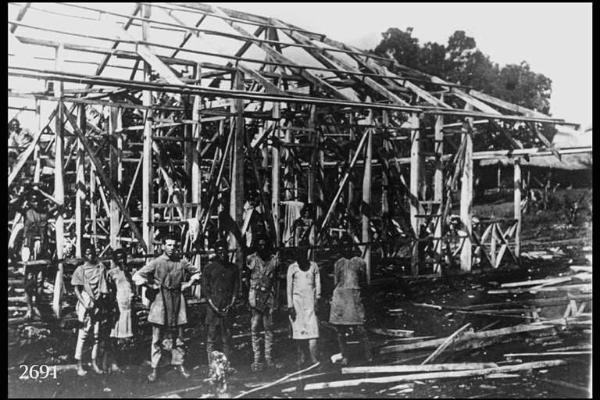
<point x="460" y="61"/>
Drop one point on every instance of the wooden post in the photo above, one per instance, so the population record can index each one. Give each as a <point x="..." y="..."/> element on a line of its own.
<point x="312" y="135"/>
<point x="59" y="189"/>
<point x="271" y="34"/>
<point x="351" y="137"/>
<point x="438" y="191"/>
<point x="517" y="206"/>
<point x="93" y="210"/>
<point x="415" y="179"/>
<point x="366" y="197"/>
<point x="493" y="245"/>
<point x="275" y="165"/>
<point x="36" y="151"/>
<point x="237" y="157"/>
<point x="147" y="183"/>
<point x="197" y="134"/>
<point x="113" y="164"/>
<point x="466" y="195"/>
<point x="80" y="185"/>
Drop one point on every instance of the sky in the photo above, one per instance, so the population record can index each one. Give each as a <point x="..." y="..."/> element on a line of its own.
<point x="554" y="38"/>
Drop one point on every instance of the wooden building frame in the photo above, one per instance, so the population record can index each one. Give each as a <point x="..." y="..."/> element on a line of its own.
<point x="348" y="128"/>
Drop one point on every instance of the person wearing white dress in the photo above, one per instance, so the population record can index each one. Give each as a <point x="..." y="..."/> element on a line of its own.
<point x="303" y="293"/>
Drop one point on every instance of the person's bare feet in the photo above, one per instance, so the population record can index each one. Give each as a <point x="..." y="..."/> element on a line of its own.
<point x="96" y="368"/>
<point x="152" y="375"/>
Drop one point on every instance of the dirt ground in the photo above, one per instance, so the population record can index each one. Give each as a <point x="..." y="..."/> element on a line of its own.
<point x="393" y="293"/>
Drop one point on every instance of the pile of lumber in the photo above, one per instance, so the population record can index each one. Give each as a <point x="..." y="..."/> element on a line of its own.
<point x="579" y="278"/>
<point x="394" y="374"/>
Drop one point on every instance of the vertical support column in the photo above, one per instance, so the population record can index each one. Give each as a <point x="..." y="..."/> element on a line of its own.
<point x="415" y="179"/>
<point x="275" y="164"/>
<point x="366" y="197"/>
<point x="271" y="34"/>
<point x="147" y="184"/>
<point x="352" y="137"/>
<point x="59" y="189"/>
<point x="36" y="151"/>
<point x="113" y="164"/>
<point x="438" y="191"/>
<point x="466" y="195"/>
<point x="312" y="135"/>
<point x="517" y="206"/>
<point x="197" y="146"/>
<point x="93" y="210"/>
<point x="236" y="200"/>
<point x="80" y="185"/>
<point x="321" y="172"/>
<point x="288" y="184"/>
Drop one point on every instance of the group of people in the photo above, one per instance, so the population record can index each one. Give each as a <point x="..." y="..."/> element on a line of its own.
<point x="105" y="296"/>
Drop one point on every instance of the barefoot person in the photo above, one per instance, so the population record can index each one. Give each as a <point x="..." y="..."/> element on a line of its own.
<point x="90" y="284"/>
<point x="165" y="278"/>
<point x="303" y="292"/>
<point x="122" y="329"/>
<point x="220" y="284"/>
<point x="347" y="310"/>
<point x="263" y="267"/>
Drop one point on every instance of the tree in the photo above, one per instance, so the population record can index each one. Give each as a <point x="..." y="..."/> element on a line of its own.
<point x="460" y="61"/>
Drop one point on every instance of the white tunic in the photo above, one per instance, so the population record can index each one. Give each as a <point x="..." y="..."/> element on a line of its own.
<point x="303" y="291"/>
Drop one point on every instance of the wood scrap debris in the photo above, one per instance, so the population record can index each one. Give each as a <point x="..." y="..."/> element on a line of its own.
<point x="434" y="375"/>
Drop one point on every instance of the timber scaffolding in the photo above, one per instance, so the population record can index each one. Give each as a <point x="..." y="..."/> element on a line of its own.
<point x="194" y="125"/>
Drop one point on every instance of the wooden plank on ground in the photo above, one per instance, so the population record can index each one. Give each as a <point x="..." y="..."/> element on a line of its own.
<point x="521" y="328"/>
<point x="392" y="332"/>
<point x="386" y="369"/>
<point x="445" y="344"/>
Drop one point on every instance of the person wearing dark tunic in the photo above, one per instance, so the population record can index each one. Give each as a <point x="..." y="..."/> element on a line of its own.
<point x="347" y="310"/>
<point x="35" y="224"/>
<point x="261" y="297"/>
<point x="165" y="280"/>
<point x="220" y="284"/>
<point x="89" y="281"/>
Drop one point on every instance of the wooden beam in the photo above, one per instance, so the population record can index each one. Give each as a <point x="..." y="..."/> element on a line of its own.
<point x="80" y="188"/>
<point x="466" y="196"/>
<point x="415" y="181"/>
<point x="59" y="187"/>
<point x="336" y="63"/>
<point x="433" y="356"/>
<point x="434" y="375"/>
<point x="389" y="369"/>
<point x="147" y="168"/>
<point x="113" y="165"/>
<point x="438" y="189"/>
<point x="237" y="193"/>
<point x="366" y="197"/>
<point x="257" y="77"/>
<point x="517" y="206"/>
<point x="318" y="82"/>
